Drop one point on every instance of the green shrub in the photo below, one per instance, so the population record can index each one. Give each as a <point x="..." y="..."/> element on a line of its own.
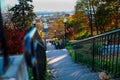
<point x="30" y="74"/>
<point x="71" y="51"/>
<point x="84" y="58"/>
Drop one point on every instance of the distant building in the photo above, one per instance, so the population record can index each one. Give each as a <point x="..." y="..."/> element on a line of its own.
<point x="52" y="16"/>
<point x="67" y="15"/>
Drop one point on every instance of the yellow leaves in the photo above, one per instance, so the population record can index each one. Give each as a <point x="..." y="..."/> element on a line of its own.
<point x="82" y="34"/>
<point x="42" y="34"/>
<point x="39" y="26"/>
<point x="104" y="76"/>
<point x="55" y="39"/>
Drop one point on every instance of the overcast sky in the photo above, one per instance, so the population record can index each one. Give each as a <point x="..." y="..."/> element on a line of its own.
<point x="54" y="5"/>
<point x="49" y="5"/>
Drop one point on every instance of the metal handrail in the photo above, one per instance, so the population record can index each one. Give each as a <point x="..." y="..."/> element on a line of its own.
<point x="28" y="39"/>
<point x="35" y="55"/>
<point x="107" y="33"/>
<point x="103" y="52"/>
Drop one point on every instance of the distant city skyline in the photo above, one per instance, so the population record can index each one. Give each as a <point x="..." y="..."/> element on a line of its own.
<point x="46" y="5"/>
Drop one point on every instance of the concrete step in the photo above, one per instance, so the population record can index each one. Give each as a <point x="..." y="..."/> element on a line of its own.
<point x="80" y="76"/>
<point x="74" y="73"/>
<point x="89" y="76"/>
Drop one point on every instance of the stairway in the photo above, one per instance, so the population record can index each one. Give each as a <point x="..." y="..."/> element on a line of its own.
<point x="63" y="68"/>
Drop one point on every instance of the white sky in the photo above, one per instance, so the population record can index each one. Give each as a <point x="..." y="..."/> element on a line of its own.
<point x="54" y="5"/>
<point x="50" y="5"/>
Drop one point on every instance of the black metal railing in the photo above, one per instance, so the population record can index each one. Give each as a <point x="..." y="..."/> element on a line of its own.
<point x="101" y="52"/>
<point x="35" y="54"/>
<point x="3" y="44"/>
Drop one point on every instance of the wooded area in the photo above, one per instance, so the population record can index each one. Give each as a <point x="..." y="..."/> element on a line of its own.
<point x="91" y="17"/>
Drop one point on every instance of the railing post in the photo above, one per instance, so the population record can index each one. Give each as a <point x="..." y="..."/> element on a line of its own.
<point x="118" y="50"/>
<point x="93" y="45"/>
<point x="3" y="42"/>
<point x="40" y="65"/>
<point x="75" y="53"/>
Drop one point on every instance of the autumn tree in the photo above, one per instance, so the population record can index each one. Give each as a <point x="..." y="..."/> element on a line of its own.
<point x="22" y="17"/>
<point x="23" y="14"/>
<point x="80" y="21"/>
<point x="57" y="28"/>
<point x="103" y="15"/>
<point x="107" y="16"/>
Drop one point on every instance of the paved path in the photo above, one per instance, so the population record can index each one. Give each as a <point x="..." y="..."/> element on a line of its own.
<point x="63" y="68"/>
